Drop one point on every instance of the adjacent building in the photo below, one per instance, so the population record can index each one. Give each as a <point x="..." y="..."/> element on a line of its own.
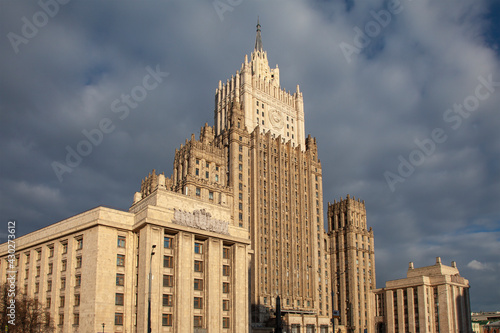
<point x="93" y="268"/>
<point x="492" y="327"/>
<point x="432" y="299"/>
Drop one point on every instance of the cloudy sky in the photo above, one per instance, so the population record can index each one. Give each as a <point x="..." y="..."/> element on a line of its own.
<point x="403" y="98"/>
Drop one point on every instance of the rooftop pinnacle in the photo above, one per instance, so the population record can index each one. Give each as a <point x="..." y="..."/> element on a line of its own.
<point x="258" y="38"/>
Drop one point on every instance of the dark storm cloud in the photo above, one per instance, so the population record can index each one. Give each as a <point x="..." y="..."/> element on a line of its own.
<point x="366" y="110"/>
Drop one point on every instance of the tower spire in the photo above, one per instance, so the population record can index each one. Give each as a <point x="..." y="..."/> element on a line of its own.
<point x="258" y="38"/>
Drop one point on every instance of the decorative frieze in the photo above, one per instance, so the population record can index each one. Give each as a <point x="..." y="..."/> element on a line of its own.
<point x="200" y="219"/>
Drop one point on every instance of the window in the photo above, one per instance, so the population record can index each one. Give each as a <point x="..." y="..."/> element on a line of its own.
<point x="226" y="253"/>
<point x="63" y="265"/>
<point x="168" y="261"/>
<point x="198" y="303"/>
<point x="51" y="251"/>
<point x="78" y="281"/>
<point x="168" y="242"/>
<point x="61" y="302"/>
<point x="49" y="285"/>
<point x="37" y="287"/>
<point x="168" y="280"/>
<point x="198" y="248"/>
<point x="63" y="283"/>
<point x="198" y="266"/>
<point x="121" y="241"/>
<point x="120" y="279"/>
<point x="225" y="287"/>
<point x="197" y="161"/>
<point x="120" y="260"/>
<point x="118" y="299"/>
<point x="225" y="305"/>
<point x="38" y="254"/>
<point x="77" y="299"/>
<point x="198" y="192"/>
<point x="198" y="284"/>
<point x="198" y="321"/>
<point x="76" y="319"/>
<point x="167" y="300"/>
<point x="211" y="195"/>
<point x="79" y="244"/>
<point x="166" y="319"/>
<point x="37" y="271"/>
<point x="48" y="302"/>
<point x="207" y="174"/>
<point x="61" y="319"/>
<point x="216" y="178"/>
<point x="197" y="172"/>
<point x="51" y="266"/>
<point x="78" y="262"/>
<point x="225" y="322"/>
<point x="226" y="270"/>
<point x="119" y="319"/>
<point x="64" y="248"/>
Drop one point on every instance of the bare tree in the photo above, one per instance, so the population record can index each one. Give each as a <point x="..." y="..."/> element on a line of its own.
<point x="29" y="315"/>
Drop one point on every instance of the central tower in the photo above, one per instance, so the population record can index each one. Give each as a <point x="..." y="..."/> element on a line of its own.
<point x="256" y="89"/>
<point x="276" y="179"/>
<point x="257" y="160"/>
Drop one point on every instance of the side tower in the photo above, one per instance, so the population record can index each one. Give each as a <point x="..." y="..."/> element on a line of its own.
<point x="353" y="264"/>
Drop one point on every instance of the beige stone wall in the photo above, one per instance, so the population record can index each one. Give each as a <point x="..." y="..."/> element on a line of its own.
<point x="144" y="226"/>
<point x="352" y="263"/>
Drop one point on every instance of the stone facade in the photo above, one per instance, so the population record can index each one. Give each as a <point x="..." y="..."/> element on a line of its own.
<point x="93" y="268"/>
<point x="257" y="160"/>
<point x="432" y="299"/>
<point x="353" y="264"/>
<point x="239" y="222"/>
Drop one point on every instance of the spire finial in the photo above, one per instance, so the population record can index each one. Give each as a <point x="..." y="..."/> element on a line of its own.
<point x="258" y="38"/>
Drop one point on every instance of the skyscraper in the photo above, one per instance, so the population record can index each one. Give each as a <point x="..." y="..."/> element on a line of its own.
<point x="258" y="159"/>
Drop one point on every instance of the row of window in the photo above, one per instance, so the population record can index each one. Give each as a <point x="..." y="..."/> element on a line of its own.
<point x="76" y="319"/>
<point x="166" y="320"/>
<point x="64" y="244"/>
<point x="168" y="261"/>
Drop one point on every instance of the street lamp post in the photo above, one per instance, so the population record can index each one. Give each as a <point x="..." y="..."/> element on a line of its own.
<point x="149" y="294"/>
<point x="103" y="327"/>
<point x="335" y="313"/>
